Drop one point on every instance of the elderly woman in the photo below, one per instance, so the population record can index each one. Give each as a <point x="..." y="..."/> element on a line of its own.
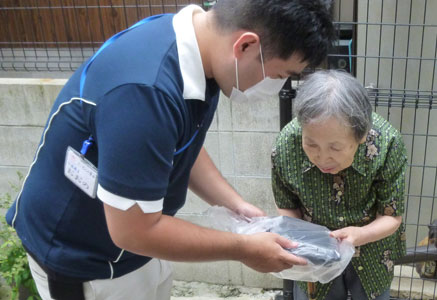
<point x="339" y="165"/>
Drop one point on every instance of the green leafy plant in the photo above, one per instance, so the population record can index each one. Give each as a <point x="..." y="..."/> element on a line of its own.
<point x="13" y="259"/>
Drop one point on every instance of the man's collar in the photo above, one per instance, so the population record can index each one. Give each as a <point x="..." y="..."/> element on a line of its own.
<point x="190" y="61"/>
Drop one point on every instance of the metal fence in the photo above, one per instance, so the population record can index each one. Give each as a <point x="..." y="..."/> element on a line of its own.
<point x="389" y="45"/>
<point x="58" y="35"/>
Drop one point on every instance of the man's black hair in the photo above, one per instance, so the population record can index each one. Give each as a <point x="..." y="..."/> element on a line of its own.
<point x="285" y="27"/>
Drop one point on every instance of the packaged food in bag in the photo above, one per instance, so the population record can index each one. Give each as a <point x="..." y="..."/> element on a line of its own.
<point x="326" y="256"/>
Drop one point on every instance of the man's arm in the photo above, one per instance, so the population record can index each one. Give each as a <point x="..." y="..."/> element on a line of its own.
<point x="207" y="182"/>
<point x="165" y="237"/>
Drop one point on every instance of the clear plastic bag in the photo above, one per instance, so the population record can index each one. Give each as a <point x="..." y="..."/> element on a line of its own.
<point x="326" y="256"/>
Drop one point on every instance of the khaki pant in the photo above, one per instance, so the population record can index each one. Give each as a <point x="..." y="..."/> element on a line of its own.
<point x="153" y="281"/>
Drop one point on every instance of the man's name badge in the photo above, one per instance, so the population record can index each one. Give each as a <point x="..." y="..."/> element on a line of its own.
<point x="81" y="172"/>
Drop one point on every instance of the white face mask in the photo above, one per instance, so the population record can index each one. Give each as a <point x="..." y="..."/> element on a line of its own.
<point x="261" y="91"/>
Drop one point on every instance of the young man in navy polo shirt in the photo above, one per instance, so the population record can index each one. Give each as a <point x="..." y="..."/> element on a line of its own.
<point x="137" y="114"/>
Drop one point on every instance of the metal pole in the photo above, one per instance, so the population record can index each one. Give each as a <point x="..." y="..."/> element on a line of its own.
<point x="286" y="95"/>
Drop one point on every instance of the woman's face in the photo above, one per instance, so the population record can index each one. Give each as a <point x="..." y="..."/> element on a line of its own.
<point x="329" y="145"/>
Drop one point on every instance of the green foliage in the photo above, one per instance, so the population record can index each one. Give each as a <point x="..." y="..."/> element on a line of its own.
<point x="13" y="260"/>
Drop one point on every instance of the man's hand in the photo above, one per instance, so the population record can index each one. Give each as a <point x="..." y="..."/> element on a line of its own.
<point x="170" y="238"/>
<point x="352" y="234"/>
<point x="265" y="253"/>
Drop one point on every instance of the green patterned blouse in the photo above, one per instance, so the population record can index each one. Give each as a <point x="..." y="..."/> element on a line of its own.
<point x="374" y="183"/>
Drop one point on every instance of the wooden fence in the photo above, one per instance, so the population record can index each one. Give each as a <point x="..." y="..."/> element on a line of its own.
<point x="74" y="23"/>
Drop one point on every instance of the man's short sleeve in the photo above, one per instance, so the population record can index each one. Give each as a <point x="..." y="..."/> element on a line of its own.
<point x="137" y="128"/>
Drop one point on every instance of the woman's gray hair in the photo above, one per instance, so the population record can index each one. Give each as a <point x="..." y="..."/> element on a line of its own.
<point x="337" y="94"/>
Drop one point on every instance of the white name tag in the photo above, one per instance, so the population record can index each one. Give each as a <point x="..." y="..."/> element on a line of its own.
<point x="81" y="172"/>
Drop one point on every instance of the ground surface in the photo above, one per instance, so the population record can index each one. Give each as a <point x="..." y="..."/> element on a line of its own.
<point x="202" y="291"/>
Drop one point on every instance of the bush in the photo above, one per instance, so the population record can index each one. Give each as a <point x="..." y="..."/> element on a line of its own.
<point x="13" y="259"/>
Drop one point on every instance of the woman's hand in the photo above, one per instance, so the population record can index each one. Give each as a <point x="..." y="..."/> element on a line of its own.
<point x="352" y="234"/>
<point x="248" y="210"/>
<point x="381" y="227"/>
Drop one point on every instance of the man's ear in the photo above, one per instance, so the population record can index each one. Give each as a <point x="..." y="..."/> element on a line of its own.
<point x="246" y="43"/>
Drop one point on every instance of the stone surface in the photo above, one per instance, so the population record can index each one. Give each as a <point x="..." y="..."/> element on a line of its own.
<point x="252" y="153"/>
<point x="408" y="284"/>
<point x="10" y="182"/>
<point x="259" y="116"/>
<point x="27" y="102"/>
<point x="183" y="290"/>
<point x="18" y="145"/>
<point x="258" y="191"/>
<point x="201" y="291"/>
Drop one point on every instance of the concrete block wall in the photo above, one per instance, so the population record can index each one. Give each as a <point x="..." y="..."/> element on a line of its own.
<point x="24" y="107"/>
<point x="239" y="142"/>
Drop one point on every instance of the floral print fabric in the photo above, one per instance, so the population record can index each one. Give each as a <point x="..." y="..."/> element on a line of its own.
<point x="374" y="184"/>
